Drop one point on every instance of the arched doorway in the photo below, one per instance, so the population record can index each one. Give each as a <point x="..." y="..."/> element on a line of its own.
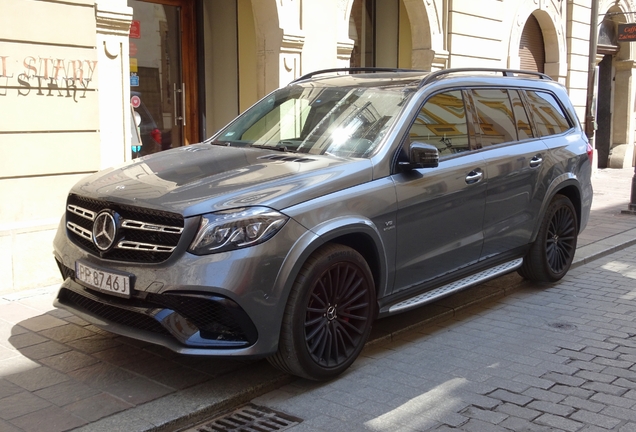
<point x="532" y="47"/>
<point x="537" y="43"/>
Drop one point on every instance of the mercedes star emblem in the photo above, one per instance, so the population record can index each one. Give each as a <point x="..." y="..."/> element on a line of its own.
<point x="104" y="230"/>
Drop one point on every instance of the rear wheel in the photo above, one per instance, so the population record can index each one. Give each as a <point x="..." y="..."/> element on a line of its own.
<point x="551" y="254"/>
<point x="328" y="315"/>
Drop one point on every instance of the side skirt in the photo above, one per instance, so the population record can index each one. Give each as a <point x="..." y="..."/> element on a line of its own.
<point x="455" y="286"/>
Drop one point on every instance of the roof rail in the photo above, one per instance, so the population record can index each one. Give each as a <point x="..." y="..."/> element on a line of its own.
<point x="352" y="70"/>
<point x="505" y="72"/>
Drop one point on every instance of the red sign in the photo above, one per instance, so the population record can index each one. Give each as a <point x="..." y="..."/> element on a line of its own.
<point x="135" y="101"/>
<point x="135" y="29"/>
<point x="132" y="47"/>
<point x="627" y="32"/>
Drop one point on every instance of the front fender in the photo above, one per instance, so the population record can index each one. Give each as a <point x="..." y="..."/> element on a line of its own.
<point x="337" y="230"/>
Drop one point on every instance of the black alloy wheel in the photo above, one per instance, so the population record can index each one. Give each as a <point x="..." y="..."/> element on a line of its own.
<point x="328" y="316"/>
<point x="551" y="254"/>
<point x="337" y="314"/>
<point x="561" y="239"/>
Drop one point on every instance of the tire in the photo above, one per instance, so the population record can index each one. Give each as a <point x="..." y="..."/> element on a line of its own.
<point x="328" y="315"/>
<point x="551" y="254"/>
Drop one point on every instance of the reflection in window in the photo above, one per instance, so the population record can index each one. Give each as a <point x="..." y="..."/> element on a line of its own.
<point x="282" y="123"/>
<point x="346" y="122"/>
<point x="524" y="131"/>
<point x="442" y="123"/>
<point x="547" y="113"/>
<point x="495" y="116"/>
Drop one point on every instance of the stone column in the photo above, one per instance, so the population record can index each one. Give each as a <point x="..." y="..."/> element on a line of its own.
<point x="622" y="144"/>
<point x="113" y="23"/>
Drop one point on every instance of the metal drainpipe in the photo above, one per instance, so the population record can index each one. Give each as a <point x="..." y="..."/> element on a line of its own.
<point x="590" y="121"/>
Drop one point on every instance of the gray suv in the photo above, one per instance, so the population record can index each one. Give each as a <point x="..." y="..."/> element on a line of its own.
<point x="348" y="195"/>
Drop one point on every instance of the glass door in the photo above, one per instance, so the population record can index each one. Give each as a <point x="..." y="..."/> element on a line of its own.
<point x="163" y="74"/>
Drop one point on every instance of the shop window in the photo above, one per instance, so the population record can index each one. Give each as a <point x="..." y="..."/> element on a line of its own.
<point x="361" y="31"/>
<point x="381" y="33"/>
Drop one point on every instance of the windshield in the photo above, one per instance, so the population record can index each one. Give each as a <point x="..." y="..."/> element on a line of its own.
<point x="345" y="122"/>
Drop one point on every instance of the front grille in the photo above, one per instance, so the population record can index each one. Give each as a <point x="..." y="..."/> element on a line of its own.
<point x="143" y="235"/>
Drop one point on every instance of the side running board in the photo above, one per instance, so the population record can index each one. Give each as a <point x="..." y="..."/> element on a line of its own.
<point x="455" y="286"/>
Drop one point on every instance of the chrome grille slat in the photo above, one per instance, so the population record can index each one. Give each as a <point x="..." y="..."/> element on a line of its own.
<point x="143" y="226"/>
<point x="85" y="213"/>
<point x="130" y="245"/>
<point x="79" y="230"/>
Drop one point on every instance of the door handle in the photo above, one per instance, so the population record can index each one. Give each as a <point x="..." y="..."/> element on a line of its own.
<point x="174" y="103"/>
<point x="474" y="176"/>
<point x="536" y="161"/>
<point x="183" y="103"/>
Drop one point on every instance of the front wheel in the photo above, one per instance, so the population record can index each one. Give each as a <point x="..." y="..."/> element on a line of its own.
<point x="328" y="314"/>
<point x="551" y="254"/>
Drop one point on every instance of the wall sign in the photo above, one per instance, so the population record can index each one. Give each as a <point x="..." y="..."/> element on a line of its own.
<point x="627" y="32"/>
<point x="135" y="29"/>
<point x="46" y="76"/>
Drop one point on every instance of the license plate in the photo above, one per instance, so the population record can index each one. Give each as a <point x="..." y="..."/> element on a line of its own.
<point x="114" y="283"/>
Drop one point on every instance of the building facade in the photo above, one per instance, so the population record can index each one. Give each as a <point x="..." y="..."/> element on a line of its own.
<point x="77" y="75"/>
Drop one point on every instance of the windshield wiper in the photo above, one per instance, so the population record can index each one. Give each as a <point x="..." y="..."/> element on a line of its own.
<point x="221" y="143"/>
<point x="279" y="147"/>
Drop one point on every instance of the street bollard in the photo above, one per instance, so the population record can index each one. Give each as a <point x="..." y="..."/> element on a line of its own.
<point x="632" y="204"/>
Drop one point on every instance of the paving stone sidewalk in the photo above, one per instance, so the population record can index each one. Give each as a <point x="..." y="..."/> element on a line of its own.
<point x="58" y="373"/>
<point x="555" y="358"/>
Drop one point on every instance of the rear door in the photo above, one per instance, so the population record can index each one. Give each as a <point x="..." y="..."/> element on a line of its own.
<point x="515" y="162"/>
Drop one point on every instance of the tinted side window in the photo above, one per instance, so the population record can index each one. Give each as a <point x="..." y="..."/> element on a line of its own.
<point x="495" y="117"/>
<point x="524" y="131"/>
<point x="548" y="115"/>
<point x="442" y="123"/>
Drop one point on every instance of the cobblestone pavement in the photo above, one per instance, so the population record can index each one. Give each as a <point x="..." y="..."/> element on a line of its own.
<point x="556" y="358"/>
<point x="59" y="373"/>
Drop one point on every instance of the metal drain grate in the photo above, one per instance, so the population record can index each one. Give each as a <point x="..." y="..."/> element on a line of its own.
<point x="249" y="418"/>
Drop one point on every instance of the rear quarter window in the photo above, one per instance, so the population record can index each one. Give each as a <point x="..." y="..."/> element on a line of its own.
<point x="548" y="115"/>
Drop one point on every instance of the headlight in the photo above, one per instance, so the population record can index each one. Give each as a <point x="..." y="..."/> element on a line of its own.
<point x="234" y="229"/>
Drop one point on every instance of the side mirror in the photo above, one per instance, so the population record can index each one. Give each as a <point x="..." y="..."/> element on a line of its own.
<point x="421" y="155"/>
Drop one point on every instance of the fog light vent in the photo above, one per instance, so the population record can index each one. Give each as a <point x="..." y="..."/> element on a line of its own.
<point x="249" y="418"/>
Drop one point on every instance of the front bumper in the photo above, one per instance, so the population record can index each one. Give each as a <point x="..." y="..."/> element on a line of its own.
<point x="185" y="322"/>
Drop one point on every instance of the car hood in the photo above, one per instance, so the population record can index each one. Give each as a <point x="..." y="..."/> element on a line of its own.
<point x="201" y="178"/>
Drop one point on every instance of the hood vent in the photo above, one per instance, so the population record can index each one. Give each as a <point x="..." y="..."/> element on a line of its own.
<point x="287" y="158"/>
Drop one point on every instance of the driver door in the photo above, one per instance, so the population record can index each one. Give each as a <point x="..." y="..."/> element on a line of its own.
<point x="440" y="210"/>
